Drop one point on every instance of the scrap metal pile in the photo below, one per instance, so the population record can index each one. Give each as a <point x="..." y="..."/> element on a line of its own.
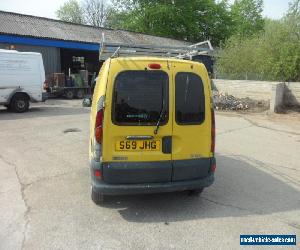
<point x="224" y="101"/>
<point x="229" y="102"/>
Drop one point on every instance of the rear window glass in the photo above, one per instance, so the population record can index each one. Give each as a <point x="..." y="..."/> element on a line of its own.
<point x="140" y="97"/>
<point x="189" y="98"/>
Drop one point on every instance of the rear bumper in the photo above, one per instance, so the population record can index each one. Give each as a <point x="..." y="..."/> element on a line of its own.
<point x="152" y="177"/>
<point x="123" y="189"/>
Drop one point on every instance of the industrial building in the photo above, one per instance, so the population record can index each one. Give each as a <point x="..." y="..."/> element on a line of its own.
<point x="64" y="45"/>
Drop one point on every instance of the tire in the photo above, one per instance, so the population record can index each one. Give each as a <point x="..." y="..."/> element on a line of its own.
<point x="19" y="103"/>
<point x="69" y="94"/>
<point x="195" y="192"/>
<point x="98" y="198"/>
<point x="80" y="94"/>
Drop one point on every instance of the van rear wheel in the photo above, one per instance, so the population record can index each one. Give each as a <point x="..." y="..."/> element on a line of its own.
<point x="98" y="198"/>
<point x="19" y="103"/>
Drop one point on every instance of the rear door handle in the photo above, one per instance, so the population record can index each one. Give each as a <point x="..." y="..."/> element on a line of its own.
<point x="139" y="137"/>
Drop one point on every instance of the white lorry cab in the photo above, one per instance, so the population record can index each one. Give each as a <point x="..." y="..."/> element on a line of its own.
<point x="22" y="77"/>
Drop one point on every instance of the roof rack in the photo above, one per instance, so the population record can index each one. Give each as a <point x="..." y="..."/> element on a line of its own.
<point x="113" y="50"/>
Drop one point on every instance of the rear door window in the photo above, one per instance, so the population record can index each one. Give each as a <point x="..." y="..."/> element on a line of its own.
<point x="140" y="97"/>
<point x="189" y="99"/>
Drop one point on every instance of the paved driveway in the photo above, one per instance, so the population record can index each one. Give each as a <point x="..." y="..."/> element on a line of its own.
<point x="45" y="194"/>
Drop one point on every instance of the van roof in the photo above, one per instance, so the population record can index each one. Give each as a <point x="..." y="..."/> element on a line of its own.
<point x="155" y="59"/>
<point x="18" y="52"/>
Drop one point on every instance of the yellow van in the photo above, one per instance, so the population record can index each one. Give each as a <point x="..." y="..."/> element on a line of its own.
<point x="152" y="127"/>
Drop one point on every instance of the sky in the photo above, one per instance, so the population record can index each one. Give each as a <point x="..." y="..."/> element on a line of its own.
<point x="272" y="8"/>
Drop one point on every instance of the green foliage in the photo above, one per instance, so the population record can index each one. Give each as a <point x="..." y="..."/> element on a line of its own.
<point x="71" y="11"/>
<point x="252" y="47"/>
<point x="247" y="17"/>
<point x="192" y="20"/>
<point x="273" y="54"/>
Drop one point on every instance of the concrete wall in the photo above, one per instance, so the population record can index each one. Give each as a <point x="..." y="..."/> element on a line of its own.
<point x="256" y="90"/>
<point x="279" y="94"/>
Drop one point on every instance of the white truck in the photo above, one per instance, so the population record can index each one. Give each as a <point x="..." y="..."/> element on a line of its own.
<point x="22" y="77"/>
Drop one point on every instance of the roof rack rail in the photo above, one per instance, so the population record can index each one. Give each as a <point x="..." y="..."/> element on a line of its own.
<point x="113" y="50"/>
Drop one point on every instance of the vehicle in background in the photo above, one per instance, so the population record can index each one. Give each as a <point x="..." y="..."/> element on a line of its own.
<point x="76" y="82"/>
<point x="22" y="76"/>
<point x="74" y="85"/>
<point x="152" y="127"/>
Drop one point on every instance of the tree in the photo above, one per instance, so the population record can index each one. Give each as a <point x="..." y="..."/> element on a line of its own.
<point x="293" y="17"/>
<point x="92" y="12"/>
<point x="192" y="20"/>
<point x="71" y="11"/>
<point x="247" y="17"/>
<point x="95" y="12"/>
<point x="273" y="54"/>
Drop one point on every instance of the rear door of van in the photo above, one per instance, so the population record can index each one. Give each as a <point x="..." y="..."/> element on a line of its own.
<point x="138" y="98"/>
<point x="191" y="122"/>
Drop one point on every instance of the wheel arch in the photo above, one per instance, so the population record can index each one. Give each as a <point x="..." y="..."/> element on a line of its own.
<point x="16" y="92"/>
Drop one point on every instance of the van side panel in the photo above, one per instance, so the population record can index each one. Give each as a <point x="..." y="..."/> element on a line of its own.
<point x="99" y="91"/>
<point x="21" y="72"/>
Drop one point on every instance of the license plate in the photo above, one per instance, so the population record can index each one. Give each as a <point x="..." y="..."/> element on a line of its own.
<point x="147" y="145"/>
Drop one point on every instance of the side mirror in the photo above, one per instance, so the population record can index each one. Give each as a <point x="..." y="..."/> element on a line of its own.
<point x="87" y="102"/>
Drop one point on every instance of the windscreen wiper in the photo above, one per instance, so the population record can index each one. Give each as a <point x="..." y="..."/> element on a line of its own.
<point x="162" y="112"/>
<point x="159" y="120"/>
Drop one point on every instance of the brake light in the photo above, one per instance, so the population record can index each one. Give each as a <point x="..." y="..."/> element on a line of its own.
<point x="154" y="66"/>
<point x="213" y="131"/>
<point x="99" y="126"/>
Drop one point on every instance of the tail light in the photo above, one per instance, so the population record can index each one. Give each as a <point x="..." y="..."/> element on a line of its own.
<point x="99" y="126"/>
<point x="213" y="167"/>
<point x="46" y="85"/>
<point x="98" y="174"/>
<point x="213" y="131"/>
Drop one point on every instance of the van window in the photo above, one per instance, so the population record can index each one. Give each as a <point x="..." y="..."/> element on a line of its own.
<point x="189" y="99"/>
<point x="140" y="97"/>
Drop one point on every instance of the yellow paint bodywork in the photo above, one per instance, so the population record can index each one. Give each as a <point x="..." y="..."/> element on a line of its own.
<point x="188" y="141"/>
